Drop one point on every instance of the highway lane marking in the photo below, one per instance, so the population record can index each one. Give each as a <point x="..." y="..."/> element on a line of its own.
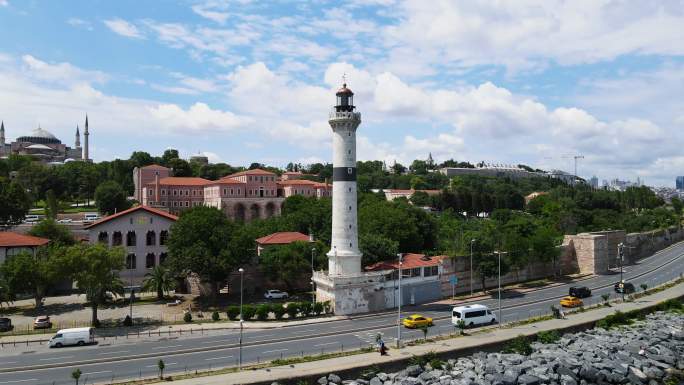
<point x="155" y="366"/>
<point x="120" y="351"/>
<point x="15" y="381"/>
<point x="260" y="336"/>
<point x="274" y="351"/>
<point x="100" y="372"/>
<point x="304" y="331"/>
<point x="171" y="346"/>
<point x="7" y="363"/>
<point x="329" y="343"/>
<point x="217" y="358"/>
<point x="217" y="341"/>
<point x="55" y="358"/>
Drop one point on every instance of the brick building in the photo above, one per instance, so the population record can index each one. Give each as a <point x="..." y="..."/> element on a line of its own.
<point x="245" y="195"/>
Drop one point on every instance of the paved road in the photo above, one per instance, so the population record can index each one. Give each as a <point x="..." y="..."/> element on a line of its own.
<point x="219" y="349"/>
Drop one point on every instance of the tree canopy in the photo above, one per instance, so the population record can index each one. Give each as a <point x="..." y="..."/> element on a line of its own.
<point x="111" y="198"/>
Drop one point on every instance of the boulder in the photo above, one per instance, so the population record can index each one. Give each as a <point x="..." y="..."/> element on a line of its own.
<point x="414" y="370"/>
<point x="332" y="377"/>
<point x="376" y="381"/>
<point x="322" y="381"/>
<point x="636" y="376"/>
<point x="528" y="379"/>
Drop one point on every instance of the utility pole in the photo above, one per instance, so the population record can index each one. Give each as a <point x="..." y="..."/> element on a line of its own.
<point x="242" y="271"/>
<point x="313" y="287"/>
<point x="621" y="255"/>
<point x="400" y="255"/>
<point x="500" y="318"/>
<point x="471" y="266"/>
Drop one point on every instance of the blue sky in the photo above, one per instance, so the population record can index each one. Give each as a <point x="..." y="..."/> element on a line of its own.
<point x="252" y="81"/>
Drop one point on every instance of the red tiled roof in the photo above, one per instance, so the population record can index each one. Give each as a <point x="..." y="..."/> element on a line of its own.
<point x="256" y="171"/>
<point x="297" y="182"/>
<point x="293" y="173"/>
<point x="10" y="239"/>
<point x="282" y="238"/>
<point x="133" y="209"/>
<point x="323" y="185"/>
<point x="154" y="167"/>
<point x="410" y="261"/>
<point x="398" y="191"/>
<point x="183" y="181"/>
<point x="228" y="180"/>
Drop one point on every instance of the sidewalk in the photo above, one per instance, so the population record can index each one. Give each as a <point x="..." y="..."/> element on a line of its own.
<point x="455" y="346"/>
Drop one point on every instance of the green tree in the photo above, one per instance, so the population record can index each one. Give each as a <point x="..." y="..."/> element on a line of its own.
<point x="35" y="273"/>
<point x="58" y="234"/>
<point x="168" y="155"/>
<point x="111" y="198"/>
<point x="141" y="159"/>
<point x="159" y="280"/>
<point x="290" y="263"/>
<point x="51" y="205"/>
<point x="76" y="374"/>
<point x="98" y="273"/>
<point x="15" y="203"/>
<point x="421" y="199"/>
<point x="199" y="243"/>
<point x="377" y="248"/>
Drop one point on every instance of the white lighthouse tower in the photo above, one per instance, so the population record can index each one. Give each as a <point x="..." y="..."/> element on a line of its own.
<point x="345" y="285"/>
<point x="344" y="258"/>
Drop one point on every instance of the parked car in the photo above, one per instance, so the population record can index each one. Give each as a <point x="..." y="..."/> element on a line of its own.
<point x="75" y="336"/>
<point x="275" y="294"/>
<point x="570" y="301"/>
<point x="624" y="287"/>
<point x="580" y="292"/>
<point x="416" y="321"/>
<point x="472" y="315"/>
<point x="5" y="324"/>
<point x="42" y="322"/>
<point x="65" y="220"/>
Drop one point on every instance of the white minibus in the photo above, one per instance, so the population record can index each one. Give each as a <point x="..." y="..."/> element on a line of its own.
<point x="75" y="336"/>
<point x="472" y="315"/>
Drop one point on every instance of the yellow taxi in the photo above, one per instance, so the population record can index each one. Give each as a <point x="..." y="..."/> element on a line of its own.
<point x="571" y="301"/>
<point x="416" y="321"/>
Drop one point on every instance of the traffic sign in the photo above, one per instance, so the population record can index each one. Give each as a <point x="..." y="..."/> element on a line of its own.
<point x="453" y="280"/>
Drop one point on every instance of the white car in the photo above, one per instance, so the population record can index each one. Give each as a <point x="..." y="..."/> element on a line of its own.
<point x="65" y="220"/>
<point x="275" y="294"/>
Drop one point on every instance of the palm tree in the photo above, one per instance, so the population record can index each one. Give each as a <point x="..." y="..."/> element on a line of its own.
<point x="159" y="280"/>
<point x="99" y="273"/>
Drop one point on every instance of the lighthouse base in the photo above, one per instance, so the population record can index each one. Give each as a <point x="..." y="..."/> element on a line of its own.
<point x="361" y="293"/>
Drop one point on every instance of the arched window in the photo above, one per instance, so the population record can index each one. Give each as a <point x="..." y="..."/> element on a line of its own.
<point x="130" y="239"/>
<point x="163" y="237"/>
<point x="149" y="260"/>
<point x="117" y="238"/>
<point x="151" y="238"/>
<point x="162" y="258"/>
<point x="103" y="237"/>
<point x="130" y="261"/>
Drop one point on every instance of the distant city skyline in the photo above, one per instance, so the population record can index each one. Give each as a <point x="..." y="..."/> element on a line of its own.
<point x="520" y="83"/>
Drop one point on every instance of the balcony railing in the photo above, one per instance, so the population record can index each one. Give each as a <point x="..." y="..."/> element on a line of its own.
<point x="344" y="114"/>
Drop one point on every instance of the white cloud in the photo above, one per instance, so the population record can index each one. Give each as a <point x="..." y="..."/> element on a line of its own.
<point x="76" y="22"/>
<point x="212" y="11"/>
<point x="4" y="3"/>
<point x="123" y="28"/>
<point x="63" y="73"/>
<point x="199" y="117"/>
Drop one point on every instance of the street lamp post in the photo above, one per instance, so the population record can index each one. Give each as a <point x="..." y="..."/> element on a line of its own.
<point x="500" y="318"/>
<point x="313" y="284"/>
<point x="471" y="266"/>
<point x="399" y="306"/>
<point x="242" y="271"/>
<point x="621" y="251"/>
<point x="132" y="291"/>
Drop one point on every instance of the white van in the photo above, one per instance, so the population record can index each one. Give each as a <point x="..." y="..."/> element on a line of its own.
<point x="472" y="315"/>
<point x="90" y="217"/>
<point x="31" y="218"/>
<point x="75" y="336"/>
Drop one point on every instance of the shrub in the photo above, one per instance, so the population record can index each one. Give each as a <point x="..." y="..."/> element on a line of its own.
<point x="327" y="307"/>
<point x="278" y="310"/>
<point x="644" y="286"/>
<point x="461" y="325"/>
<point x="215" y="316"/>
<point x="233" y="312"/>
<point x="305" y="308"/>
<point x="548" y="337"/>
<point x="318" y="308"/>
<point x="262" y="312"/>
<point x="436" y="363"/>
<point x="605" y="298"/>
<point x="248" y="312"/>
<point x="424" y="359"/>
<point x="128" y="321"/>
<point x="292" y="310"/>
<point x="618" y="318"/>
<point x="555" y="311"/>
<point x="520" y="345"/>
<point x="187" y="317"/>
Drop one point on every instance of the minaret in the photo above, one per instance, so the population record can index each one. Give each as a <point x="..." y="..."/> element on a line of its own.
<point x="78" y="138"/>
<point x="2" y="136"/>
<point x="85" y="140"/>
<point x="344" y="257"/>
